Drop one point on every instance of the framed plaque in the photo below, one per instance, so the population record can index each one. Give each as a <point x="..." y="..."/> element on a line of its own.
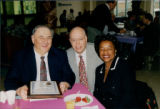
<point x="44" y="89"/>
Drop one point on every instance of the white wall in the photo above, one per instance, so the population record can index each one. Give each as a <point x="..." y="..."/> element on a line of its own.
<point x="146" y="6"/>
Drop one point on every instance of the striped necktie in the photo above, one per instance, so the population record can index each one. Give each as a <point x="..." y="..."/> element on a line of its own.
<point x="43" y="72"/>
<point x="82" y="73"/>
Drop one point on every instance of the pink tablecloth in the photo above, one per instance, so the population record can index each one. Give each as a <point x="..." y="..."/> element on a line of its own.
<point x="52" y="104"/>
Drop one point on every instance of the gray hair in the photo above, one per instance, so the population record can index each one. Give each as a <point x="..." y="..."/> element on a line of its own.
<point x="42" y="26"/>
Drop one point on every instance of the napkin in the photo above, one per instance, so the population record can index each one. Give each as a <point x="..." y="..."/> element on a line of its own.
<point x="90" y="107"/>
<point x="9" y="96"/>
<point x="3" y="96"/>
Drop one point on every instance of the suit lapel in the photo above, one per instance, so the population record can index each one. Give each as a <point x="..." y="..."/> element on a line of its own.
<point x="74" y="62"/>
<point x="51" y="62"/>
<point x="31" y="62"/>
<point x="88" y="60"/>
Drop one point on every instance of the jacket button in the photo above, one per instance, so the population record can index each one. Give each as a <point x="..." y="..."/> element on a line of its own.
<point x="113" y="87"/>
<point x="110" y="98"/>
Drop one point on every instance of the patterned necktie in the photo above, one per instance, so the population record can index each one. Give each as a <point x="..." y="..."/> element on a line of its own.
<point x="43" y="72"/>
<point x="82" y="73"/>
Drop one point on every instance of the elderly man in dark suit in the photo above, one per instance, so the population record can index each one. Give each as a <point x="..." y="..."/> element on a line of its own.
<point x="26" y="65"/>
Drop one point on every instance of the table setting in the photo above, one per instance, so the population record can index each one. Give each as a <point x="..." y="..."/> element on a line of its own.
<point x="130" y="38"/>
<point x="76" y="98"/>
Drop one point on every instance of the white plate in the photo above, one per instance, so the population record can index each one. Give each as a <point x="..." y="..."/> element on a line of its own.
<point x="81" y="103"/>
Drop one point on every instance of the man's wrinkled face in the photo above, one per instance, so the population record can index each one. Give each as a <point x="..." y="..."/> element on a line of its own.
<point x="42" y="40"/>
<point x="78" y="39"/>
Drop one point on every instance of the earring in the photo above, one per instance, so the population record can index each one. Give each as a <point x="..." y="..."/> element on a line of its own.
<point x="115" y="52"/>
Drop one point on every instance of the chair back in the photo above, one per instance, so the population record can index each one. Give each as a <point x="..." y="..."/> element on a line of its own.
<point x="145" y="96"/>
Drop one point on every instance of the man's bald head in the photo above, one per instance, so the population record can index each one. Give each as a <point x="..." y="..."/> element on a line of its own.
<point x="78" y="39"/>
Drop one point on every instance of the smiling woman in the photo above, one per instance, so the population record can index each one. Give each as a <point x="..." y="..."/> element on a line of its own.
<point x="114" y="84"/>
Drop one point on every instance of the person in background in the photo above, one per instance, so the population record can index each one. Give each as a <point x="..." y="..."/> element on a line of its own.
<point x="113" y="17"/>
<point x="70" y="20"/>
<point x="82" y="20"/>
<point x="151" y="40"/>
<point x="27" y="67"/>
<point x="51" y="19"/>
<point x="63" y="19"/>
<point x="130" y="24"/>
<point x="70" y="16"/>
<point x="139" y="24"/>
<point x="151" y="35"/>
<point x="102" y="17"/>
<point x="114" y="84"/>
<point x="157" y="17"/>
<point x="78" y="18"/>
<point x="80" y="48"/>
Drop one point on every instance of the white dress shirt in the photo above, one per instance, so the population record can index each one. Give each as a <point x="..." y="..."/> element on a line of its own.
<point x="83" y="57"/>
<point x="38" y="62"/>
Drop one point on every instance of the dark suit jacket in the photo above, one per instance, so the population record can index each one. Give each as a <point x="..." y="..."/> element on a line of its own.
<point x="101" y="17"/>
<point x="24" y="68"/>
<point x="118" y="89"/>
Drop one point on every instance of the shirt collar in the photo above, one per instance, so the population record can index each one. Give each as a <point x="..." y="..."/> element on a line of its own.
<point x="83" y="54"/>
<point x="37" y="54"/>
<point x="107" y="6"/>
<point x="114" y="63"/>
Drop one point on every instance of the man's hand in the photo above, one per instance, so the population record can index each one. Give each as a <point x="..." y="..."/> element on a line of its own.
<point x="122" y="30"/>
<point x="22" y="92"/>
<point x="64" y="86"/>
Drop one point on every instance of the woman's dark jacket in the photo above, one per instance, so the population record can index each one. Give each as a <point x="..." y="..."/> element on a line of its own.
<point x="118" y="89"/>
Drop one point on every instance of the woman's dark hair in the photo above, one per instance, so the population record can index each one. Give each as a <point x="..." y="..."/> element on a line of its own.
<point x="107" y="37"/>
